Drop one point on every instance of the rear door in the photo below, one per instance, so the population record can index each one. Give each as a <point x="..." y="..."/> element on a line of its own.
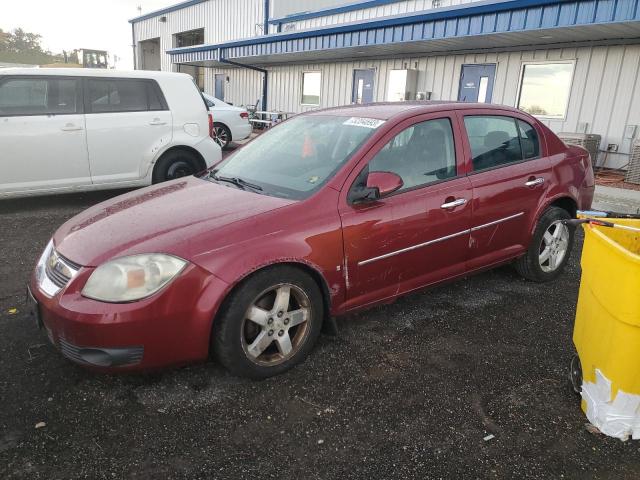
<point x="510" y="174"/>
<point x="128" y="121"/>
<point x="420" y="234"/>
<point x="43" y="143"/>
<point x="220" y="79"/>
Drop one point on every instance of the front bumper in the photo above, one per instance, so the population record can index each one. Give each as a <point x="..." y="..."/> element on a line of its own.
<point x="172" y="327"/>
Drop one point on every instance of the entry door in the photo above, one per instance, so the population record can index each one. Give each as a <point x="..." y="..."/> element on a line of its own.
<point x="42" y="134"/>
<point x="363" y="86"/>
<point x="476" y="83"/>
<point x="418" y="235"/>
<point x="219" y="87"/>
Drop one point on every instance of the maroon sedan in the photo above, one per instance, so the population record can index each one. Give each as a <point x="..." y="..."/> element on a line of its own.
<point x="329" y="212"/>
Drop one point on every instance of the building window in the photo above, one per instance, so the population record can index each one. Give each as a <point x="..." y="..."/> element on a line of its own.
<point x="311" y="88"/>
<point x="436" y="3"/>
<point x="188" y="39"/>
<point x="545" y="89"/>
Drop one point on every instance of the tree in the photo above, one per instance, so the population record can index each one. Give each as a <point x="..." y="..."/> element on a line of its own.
<point x="24" y="47"/>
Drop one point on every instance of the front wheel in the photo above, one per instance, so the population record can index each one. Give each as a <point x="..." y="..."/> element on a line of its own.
<point x="269" y="324"/>
<point x="550" y="247"/>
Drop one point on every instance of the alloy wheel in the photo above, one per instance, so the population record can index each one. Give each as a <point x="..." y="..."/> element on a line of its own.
<point x="221" y="136"/>
<point x="276" y="325"/>
<point x="554" y="246"/>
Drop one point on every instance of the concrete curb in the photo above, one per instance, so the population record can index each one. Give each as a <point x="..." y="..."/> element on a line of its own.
<point x="616" y="199"/>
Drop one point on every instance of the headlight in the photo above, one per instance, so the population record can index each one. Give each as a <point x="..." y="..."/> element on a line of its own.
<point x="132" y="278"/>
<point x="42" y="261"/>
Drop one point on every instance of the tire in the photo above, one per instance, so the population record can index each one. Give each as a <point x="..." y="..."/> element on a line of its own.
<point x="175" y="164"/>
<point x="533" y="265"/>
<point x="257" y="348"/>
<point x="223" y="135"/>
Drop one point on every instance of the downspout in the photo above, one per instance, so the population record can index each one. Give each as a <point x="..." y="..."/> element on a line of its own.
<point x="133" y="45"/>
<point x="251" y="67"/>
<point x="265" y="30"/>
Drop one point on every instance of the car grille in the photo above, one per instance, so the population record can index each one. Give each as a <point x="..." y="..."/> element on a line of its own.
<point x="99" y="356"/>
<point x="59" y="269"/>
<point x="70" y="351"/>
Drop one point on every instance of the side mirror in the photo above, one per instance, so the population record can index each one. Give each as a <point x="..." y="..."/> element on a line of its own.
<point x="384" y="182"/>
<point x="379" y="185"/>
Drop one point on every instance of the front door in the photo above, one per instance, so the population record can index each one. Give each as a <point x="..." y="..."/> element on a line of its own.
<point x="420" y="234"/>
<point x="363" y="85"/>
<point x="476" y="83"/>
<point x="219" y="87"/>
<point x="42" y="133"/>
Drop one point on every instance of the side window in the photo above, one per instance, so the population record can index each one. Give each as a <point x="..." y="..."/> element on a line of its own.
<point x="529" y="140"/>
<point x="111" y="95"/>
<point x="156" y="100"/>
<point x="38" y="96"/>
<point x="421" y="154"/>
<point x="494" y="141"/>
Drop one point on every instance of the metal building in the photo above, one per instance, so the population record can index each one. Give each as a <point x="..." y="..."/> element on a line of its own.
<point x="574" y="64"/>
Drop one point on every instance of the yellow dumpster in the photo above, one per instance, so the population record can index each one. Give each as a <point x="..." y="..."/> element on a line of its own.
<point x="607" y="328"/>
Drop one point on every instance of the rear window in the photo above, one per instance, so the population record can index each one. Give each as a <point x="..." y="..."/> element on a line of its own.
<point x="123" y="95"/>
<point x="39" y="96"/>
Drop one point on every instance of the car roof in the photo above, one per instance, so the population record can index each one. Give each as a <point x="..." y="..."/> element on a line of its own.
<point x="387" y="110"/>
<point x="90" y="72"/>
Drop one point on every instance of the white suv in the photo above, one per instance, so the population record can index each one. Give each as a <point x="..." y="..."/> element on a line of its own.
<point x="80" y="129"/>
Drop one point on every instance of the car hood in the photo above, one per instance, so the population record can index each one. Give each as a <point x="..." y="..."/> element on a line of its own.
<point x="165" y="218"/>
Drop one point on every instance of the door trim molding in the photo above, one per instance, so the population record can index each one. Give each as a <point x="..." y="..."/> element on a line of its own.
<point x="413" y="247"/>
<point x="440" y="239"/>
<point x="495" y="222"/>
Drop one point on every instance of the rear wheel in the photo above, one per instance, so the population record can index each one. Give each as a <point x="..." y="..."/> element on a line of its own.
<point x="175" y="164"/>
<point x="550" y="247"/>
<point x="269" y="324"/>
<point x="222" y="135"/>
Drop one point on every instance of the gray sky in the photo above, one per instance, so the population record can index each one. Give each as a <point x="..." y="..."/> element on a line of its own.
<point x="70" y="24"/>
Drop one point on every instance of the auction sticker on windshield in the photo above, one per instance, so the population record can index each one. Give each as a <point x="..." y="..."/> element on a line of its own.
<point x="364" y="122"/>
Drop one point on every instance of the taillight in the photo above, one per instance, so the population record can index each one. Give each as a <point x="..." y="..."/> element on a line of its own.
<point x="244" y="115"/>
<point x="212" y="132"/>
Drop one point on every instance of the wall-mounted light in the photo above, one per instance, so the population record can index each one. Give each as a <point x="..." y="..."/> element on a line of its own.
<point x="163" y="19"/>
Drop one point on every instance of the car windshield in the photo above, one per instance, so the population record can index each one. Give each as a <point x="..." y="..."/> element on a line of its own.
<point x="295" y="159"/>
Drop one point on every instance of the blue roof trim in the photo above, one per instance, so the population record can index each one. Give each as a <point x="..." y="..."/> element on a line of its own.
<point x="162" y="11"/>
<point x="295" y="17"/>
<point x="479" y="18"/>
<point x="475" y="8"/>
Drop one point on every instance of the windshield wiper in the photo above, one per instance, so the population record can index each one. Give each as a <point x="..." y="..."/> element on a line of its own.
<point x="239" y="182"/>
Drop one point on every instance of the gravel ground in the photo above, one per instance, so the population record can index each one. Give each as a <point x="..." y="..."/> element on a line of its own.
<point x="408" y="390"/>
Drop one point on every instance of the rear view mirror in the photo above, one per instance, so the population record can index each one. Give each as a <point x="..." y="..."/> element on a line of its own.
<point x="384" y="182"/>
<point x="379" y="185"/>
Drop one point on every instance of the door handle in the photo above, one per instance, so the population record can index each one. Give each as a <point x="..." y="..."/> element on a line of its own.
<point x="70" y="127"/>
<point x="535" y="181"/>
<point x="157" y="121"/>
<point x="454" y="203"/>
